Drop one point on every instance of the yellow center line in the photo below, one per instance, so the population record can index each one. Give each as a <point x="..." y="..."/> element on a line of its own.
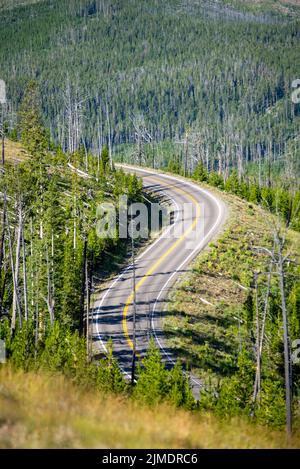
<point x="158" y="262"/>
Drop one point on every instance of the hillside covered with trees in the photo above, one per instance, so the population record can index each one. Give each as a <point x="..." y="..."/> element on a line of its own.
<point x="217" y="76"/>
<point x="206" y="90"/>
<point x="49" y="254"/>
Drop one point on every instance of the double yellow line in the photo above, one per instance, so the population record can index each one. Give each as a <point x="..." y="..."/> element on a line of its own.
<point x="158" y="262"/>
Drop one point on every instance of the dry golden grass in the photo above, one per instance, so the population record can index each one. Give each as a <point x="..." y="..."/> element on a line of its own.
<point x="14" y="152"/>
<point x="40" y="411"/>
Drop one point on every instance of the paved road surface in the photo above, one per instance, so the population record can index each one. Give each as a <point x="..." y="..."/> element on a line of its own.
<point x="157" y="268"/>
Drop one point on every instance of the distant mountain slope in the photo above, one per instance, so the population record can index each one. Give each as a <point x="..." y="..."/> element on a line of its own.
<point x="285" y="7"/>
<point x="8" y="4"/>
<point x="259" y="10"/>
<point x="173" y="66"/>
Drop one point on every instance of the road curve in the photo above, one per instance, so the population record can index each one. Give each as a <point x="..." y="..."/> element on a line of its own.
<point x="157" y="268"/>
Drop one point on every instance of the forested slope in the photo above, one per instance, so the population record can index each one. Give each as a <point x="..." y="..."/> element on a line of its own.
<point x="214" y="313"/>
<point x="203" y="89"/>
<point x="49" y="248"/>
<point x="108" y="68"/>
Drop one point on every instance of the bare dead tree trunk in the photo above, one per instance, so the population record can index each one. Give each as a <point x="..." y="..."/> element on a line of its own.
<point x="259" y="167"/>
<point x="142" y="135"/>
<point x="139" y="149"/>
<point x="287" y="367"/>
<point x="37" y="322"/>
<point x="83" y="285"/>
<point x="76" y="124"/>
<point x="69" y="119"/>
<point x="52" y="264"/>
<point x="49" y="301"/>
<point x="14" y="270"/>
<point x="266" y="306"/>
<point x="32" y="272"/>
<point x="207" y="159"/>
<point x="109" y="135"/>
<point x="260" y="333"/>
<point x="220" y="164"/>
<point x="74" y="114"/>
<point x="99" y="146"/>
<point x="278" y="258"/>
<point x="2" y="241"/>
<point x="153" y="153"/>
<point x="75" y="226"/>
<point x="240" y="162"/>
<point x="17" y="261"/>
<point x="269" y="165"/>
<point x="257" y="347"/>
<point x="3" y="137"/>
<point x="86" y="156"/>
<point x="186" y="154"/>
<point x="25" y="279"/>
<point x="290" y="212"/>
<point x="134" y="312"/>
<point x="87" y="289"/>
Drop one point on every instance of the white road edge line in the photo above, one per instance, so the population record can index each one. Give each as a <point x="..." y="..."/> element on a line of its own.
<point x="221" y="214"/>
<point x="164" y="233"/>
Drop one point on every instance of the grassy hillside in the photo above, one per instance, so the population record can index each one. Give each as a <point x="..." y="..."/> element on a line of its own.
<point x="211" y="82"/>
<point x="210" y="316"/>
<point x="43" y="411"/>
<point x="14" y="151"/>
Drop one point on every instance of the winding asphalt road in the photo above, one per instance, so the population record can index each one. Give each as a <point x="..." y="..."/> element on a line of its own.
<point x="157" y="268"/>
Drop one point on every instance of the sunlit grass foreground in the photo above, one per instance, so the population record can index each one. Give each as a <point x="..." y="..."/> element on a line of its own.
<point x="43" y="411"/>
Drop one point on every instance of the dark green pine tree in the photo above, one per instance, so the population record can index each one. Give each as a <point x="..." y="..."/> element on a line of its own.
<point x="232" y="184"/>
<point x="33" y="134"/>
<point x="236" y="392"/>
<point x="104" y="160"/>
<point x="180" y="393"/>
<point x="200" y="173"/>
<point x="110" y="377"/>
<point x="152" y="384"/>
